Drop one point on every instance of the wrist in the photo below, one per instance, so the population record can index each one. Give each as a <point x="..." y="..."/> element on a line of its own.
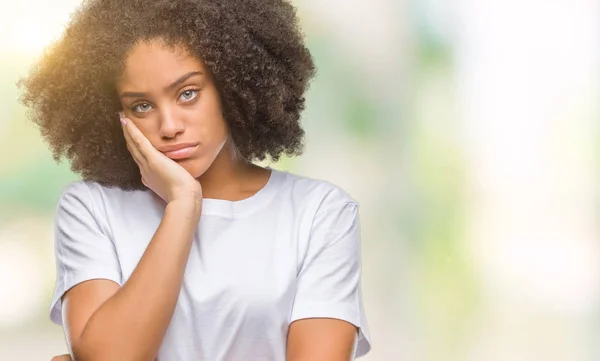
<point x="191" y="207"/>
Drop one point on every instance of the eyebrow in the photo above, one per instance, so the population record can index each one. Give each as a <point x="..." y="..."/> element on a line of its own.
<point x="174" y="84"/>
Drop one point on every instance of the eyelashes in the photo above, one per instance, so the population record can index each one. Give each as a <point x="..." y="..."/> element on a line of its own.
<point x="190" y="95"/>
<point x="185" y="96"/>
<point x="138" y="108"/>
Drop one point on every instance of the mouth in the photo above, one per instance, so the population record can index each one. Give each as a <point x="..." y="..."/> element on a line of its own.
<point x="181" y="153"/>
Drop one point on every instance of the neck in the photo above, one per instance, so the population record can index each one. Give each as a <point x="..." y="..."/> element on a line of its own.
<point x="229" y="176"/>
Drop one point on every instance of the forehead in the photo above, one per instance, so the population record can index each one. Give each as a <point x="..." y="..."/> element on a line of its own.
<point x="152" y="62"/>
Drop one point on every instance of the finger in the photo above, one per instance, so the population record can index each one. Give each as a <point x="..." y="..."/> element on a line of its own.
<point x="144" y="182"/>
<point x="137" y="155"/>
<point x="139" y="140"/>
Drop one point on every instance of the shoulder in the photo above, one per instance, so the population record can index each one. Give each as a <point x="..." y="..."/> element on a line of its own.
<point x="85" y="205"/>
<point x="320" y="195"/>
<point x="93" y="195"/>
<point x="75" y="192"/>
<point x="85" y="190"/>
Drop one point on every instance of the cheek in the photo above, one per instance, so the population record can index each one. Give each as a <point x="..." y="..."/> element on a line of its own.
<point x="215" y="137"/>
<point x="213" y="129"/>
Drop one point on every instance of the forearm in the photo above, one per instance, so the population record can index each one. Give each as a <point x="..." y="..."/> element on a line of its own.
<point x="130" y="325"/>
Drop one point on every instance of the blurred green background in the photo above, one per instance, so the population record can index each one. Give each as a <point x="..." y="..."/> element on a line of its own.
<point x="467" y="131"/>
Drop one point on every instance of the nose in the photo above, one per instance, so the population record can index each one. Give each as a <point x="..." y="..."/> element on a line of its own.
<point x="170" y="124"/>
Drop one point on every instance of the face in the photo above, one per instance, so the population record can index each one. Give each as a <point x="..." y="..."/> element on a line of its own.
<point x="171" y="98"/>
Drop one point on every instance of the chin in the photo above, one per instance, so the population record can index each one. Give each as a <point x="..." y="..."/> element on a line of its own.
<point x="196" y="166"/>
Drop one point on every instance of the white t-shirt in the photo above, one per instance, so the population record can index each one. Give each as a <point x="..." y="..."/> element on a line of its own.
<point x="289" y="252"/>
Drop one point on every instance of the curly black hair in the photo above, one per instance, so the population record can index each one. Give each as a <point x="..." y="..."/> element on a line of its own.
<point x="254" y="50"/>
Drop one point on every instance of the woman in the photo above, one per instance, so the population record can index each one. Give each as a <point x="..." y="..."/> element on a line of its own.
<point x="175" y="246"/>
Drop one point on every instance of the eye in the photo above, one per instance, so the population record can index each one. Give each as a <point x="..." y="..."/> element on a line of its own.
<point x="142" y="108"/>
<point x="188" y="95"/>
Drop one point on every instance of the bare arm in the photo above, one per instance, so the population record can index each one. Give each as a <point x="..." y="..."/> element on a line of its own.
<point x="105" y="322"/>
<point x="131" y="321"/>
<point x="320" y="339"/>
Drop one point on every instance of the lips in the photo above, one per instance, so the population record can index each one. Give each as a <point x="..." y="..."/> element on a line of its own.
<point x="179" y="151"/>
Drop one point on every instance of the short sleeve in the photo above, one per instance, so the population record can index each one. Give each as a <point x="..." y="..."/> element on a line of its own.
<point x="329" y="280"/>
<point x="82" y="250"/>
